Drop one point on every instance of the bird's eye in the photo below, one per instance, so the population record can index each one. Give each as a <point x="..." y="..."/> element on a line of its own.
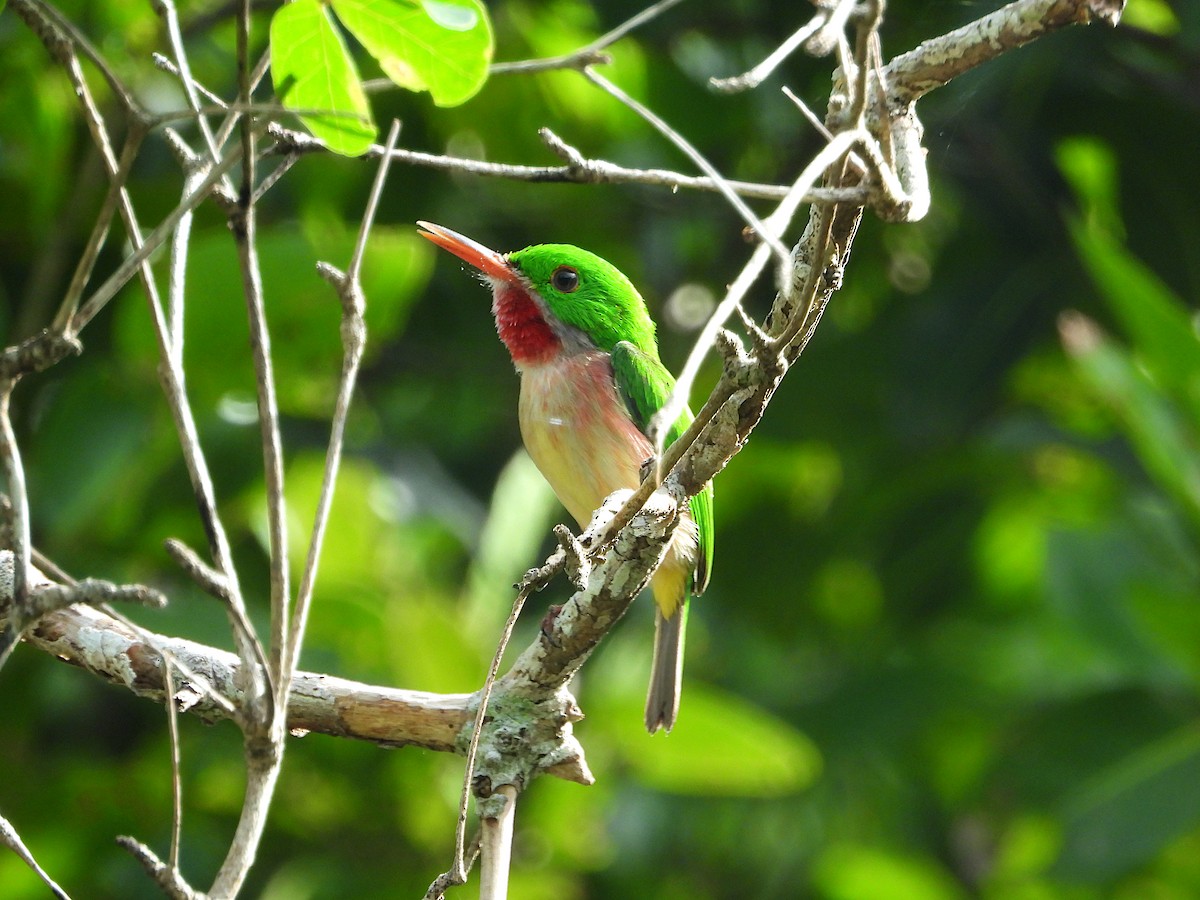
<point x="565" y="279"/>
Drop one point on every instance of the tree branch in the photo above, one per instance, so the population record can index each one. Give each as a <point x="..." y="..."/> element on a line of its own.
<point x="937" y="61"/>
<point x="317" y="703"/>
<point x="579" y="171"/>
<point x="11" y="839"/>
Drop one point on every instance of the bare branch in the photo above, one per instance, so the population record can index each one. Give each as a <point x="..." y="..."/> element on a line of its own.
<point x="583" y="171"/>
<point x="698" y="158"/>
<point x="165" y="875"/>
<point x="317" y="704"/>
<point x="755" y="77"/>
<point x="87" y="260"/>
<point x="22" y="571"/>
<point x="38" y="353"/>
<point x="263" y="726"/>
<point x="169" y="67"/>
<point x="777" y="223"/>
<point x="354" y="340"/>
<point x="11" y="839"/>
<point x="834" y="15"/>
<point x="244" y="226"/>
<point x="590" y="54"/>
<point x="92" y="591"/>
<point x="587" y="55"/>
<point x="208" y="578"/>
<point x="152" y="241"/>
<point x="176" y="772"/>
<point x="64" y="40"/>
<point x="937" y="61"/>
<point x="495" y="847"/>
<point x="243" y="223"/>
<point x="170" y="16"/>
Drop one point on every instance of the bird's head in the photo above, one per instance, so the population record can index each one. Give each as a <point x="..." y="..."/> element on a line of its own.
<point x="551" y="299"/>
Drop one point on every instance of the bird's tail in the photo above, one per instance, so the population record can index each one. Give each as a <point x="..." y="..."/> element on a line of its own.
<point x="666" y="671"/>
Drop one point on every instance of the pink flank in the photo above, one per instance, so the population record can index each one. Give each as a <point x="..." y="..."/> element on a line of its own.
<point x="580" y="436"/>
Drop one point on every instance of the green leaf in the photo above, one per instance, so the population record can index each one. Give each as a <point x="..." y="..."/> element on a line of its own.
<point x="1132" y="810"/>
<point x="855" y="872"/>
<point x="442" y="46"/>
<point x="722" y="745"/>
<point x="519" y="518"/>
<point x="1158" y="322"/>
<point x="313" y="71"/>
<point x="1155" y="319"/>
<point x="1090" y="166"/>
<point x="1150" y="15"/>
<point x="1165" y="441"/>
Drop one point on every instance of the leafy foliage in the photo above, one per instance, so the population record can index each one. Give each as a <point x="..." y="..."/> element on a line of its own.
<point x="440" y="46"/>
<point x="313" y="70"/>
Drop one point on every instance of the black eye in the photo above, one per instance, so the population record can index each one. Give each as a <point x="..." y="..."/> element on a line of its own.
<point x="565" y="279"/>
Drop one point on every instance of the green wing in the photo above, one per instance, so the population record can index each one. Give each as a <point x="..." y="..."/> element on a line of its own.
<point x="645" y="384"/>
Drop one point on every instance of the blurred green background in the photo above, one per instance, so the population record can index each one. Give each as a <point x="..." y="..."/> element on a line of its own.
<point x="952" y="644"/>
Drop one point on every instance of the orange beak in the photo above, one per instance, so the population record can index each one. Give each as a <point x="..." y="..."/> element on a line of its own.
<point x="489" y="262"/>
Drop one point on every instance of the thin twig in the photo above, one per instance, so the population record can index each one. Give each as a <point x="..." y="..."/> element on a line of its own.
<point x="457" y="873"/>
<point x="177" y="259"/>
<point x="176" y="773"/>
<point x="271" y="178"/>
<point x="235" y="116"/>
<point x="698" y="158"/>
<point x="833" y="23"/>
<point x="264" y="728"/>
<point x="354" y="338"/>
<point x="61" y="37"/>
<point x="99" y="131"/>
<point x="14" y="476"/>
<point x="244" y="225"/>
<point x="591" y="53"/>
<point x="197" y="685"/>
<point x="168" y="66"/>
<point x="360" y="247"/>
<point x="587" y="55"/>
<point x="152" y="241"/>
<point x="165" y="875"/>
<point x="753" y="78"/>
<point x="776" y="223"/>
<point x="821" y="128"/>
<point x="11" y="839"/>
<point x="91" y="251"/>
<point x="166" y="9"/>
<point x="580" y="171"/>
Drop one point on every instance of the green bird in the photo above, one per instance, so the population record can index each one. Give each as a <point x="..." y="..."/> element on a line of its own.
<point x="591" y="380"/>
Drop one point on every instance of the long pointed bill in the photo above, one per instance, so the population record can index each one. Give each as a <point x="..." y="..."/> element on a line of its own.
<point x="487" y="261"/>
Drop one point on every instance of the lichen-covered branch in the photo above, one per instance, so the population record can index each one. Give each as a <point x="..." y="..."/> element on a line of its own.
<point x="935" y="62"/>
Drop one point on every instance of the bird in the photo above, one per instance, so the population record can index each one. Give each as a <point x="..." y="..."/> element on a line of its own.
<point x="584" y="345"/>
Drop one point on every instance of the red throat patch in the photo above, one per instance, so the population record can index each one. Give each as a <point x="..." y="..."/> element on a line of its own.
<point x="522" y="327"/>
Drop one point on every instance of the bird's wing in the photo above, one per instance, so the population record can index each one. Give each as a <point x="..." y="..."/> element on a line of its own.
<point x="644" y="385"/>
